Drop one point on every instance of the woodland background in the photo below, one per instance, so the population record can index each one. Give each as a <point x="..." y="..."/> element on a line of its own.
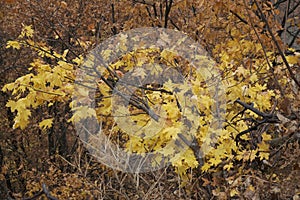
<point x="54" y="165"/>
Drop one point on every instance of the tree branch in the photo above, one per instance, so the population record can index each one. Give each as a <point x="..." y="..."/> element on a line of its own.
<point x="167" y="11"/>
<point x="267" y="118"/>
<point x="277" y="44"/>
<point x="239" y="17"/>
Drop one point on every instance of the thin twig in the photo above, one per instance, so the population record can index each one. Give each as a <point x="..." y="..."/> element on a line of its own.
<point x="267" y="118"/>
<point x="239" y="17"/>
<point x="167" y="12"/>
<point x="277" y="44"/>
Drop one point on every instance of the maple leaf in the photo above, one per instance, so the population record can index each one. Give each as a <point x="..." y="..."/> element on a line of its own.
<point x="156" y="70"/>
<point x="78" y="60"/>
<point x="46" y="123"/>
<point x="164" y="39"/>
<point x="82" y="112"/>
<point x="139" y="72"/>
<point x="12" y="104"/>
<point x="205" y="167"/>
<point x="266" y="137"/>
<point x="233" y="192"/>
<point x="228" y="166"/>
<point x="13" y="44"/>
<point x="22" y="119"/>
<point x="253" y="155"/>
<point x="293" y="59"/>
<point x="264" y="155"/>
<point x="106" y="55"/>
<point x="263" y="149"/>
<point x="19" y="105"/>
<point x="168" y="151"/>
<point x="215" y="161"/>
<point x="27" y="31"/>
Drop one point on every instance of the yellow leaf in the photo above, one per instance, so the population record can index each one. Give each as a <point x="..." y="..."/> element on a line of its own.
<point x="65" y="53"/>
<point x="78" y="60"/>
<point x="106" y="54"/>
<point x="233" y="192"/>
<point x="8" y="87"/>
<point x="46" y="123"/>
<point x="228" y="166"/>
<point x="292" y="59"/>
<point x="139" y="72"/>
<point x="251" y="188"/>
<point x="12" y="105"/>
<point x="14" y="44"/>
<point x="215" y="161"/>
<point x="266" y="136"/>
<point x="205" y="167"/>
<point x="20" y="105"/>
<point x="263" y="146"/>
<point x="22" y="119"/>
<point x="27" y="31"/>
<point x="168" y="151"/>
<point x="167" y="55"/>
<point x="253" y="78"/>
<point x="82" y="112"/>
<point x="264" y="155"/>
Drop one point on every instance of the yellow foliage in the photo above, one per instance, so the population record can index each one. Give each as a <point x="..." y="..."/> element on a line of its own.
<point x="13" y="44"/>
<point x="46" y="123"/>
<point x="186" y="106"/>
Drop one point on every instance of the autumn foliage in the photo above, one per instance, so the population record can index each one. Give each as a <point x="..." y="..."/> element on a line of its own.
<point x="226" y="125"/>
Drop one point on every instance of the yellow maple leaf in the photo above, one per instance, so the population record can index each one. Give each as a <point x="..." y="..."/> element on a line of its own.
<point x="27" y="31"/>
<point x="19" y="105"/>
<point x="8" y="87"/>
<point x="205" y="167"/>
<point x="78" y="60"/>
<point x="82" y="112"/>
<point x="14" y="44"/>
<point x="252" y="155"/>
<point x="46" y="123"/>
<point x="263" y="148"/>
<point x="215" y="161"/>
<point x="106" y="54"/>
<point x="22" y="119"/>
<point x="266" y="136"/>
<point x="139" y="72"/>
<point x="228" y="166"/>
<point x="292" y="59"/>
<point x="12" y="105"/>
<point x="233" y="192"/>
<point x="263" y="155"/>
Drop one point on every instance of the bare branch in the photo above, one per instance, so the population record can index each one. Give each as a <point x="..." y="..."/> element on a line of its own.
<point x="267" y="118"/>
<point x="239" y="17"/>
<point x="167" y="12"/>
